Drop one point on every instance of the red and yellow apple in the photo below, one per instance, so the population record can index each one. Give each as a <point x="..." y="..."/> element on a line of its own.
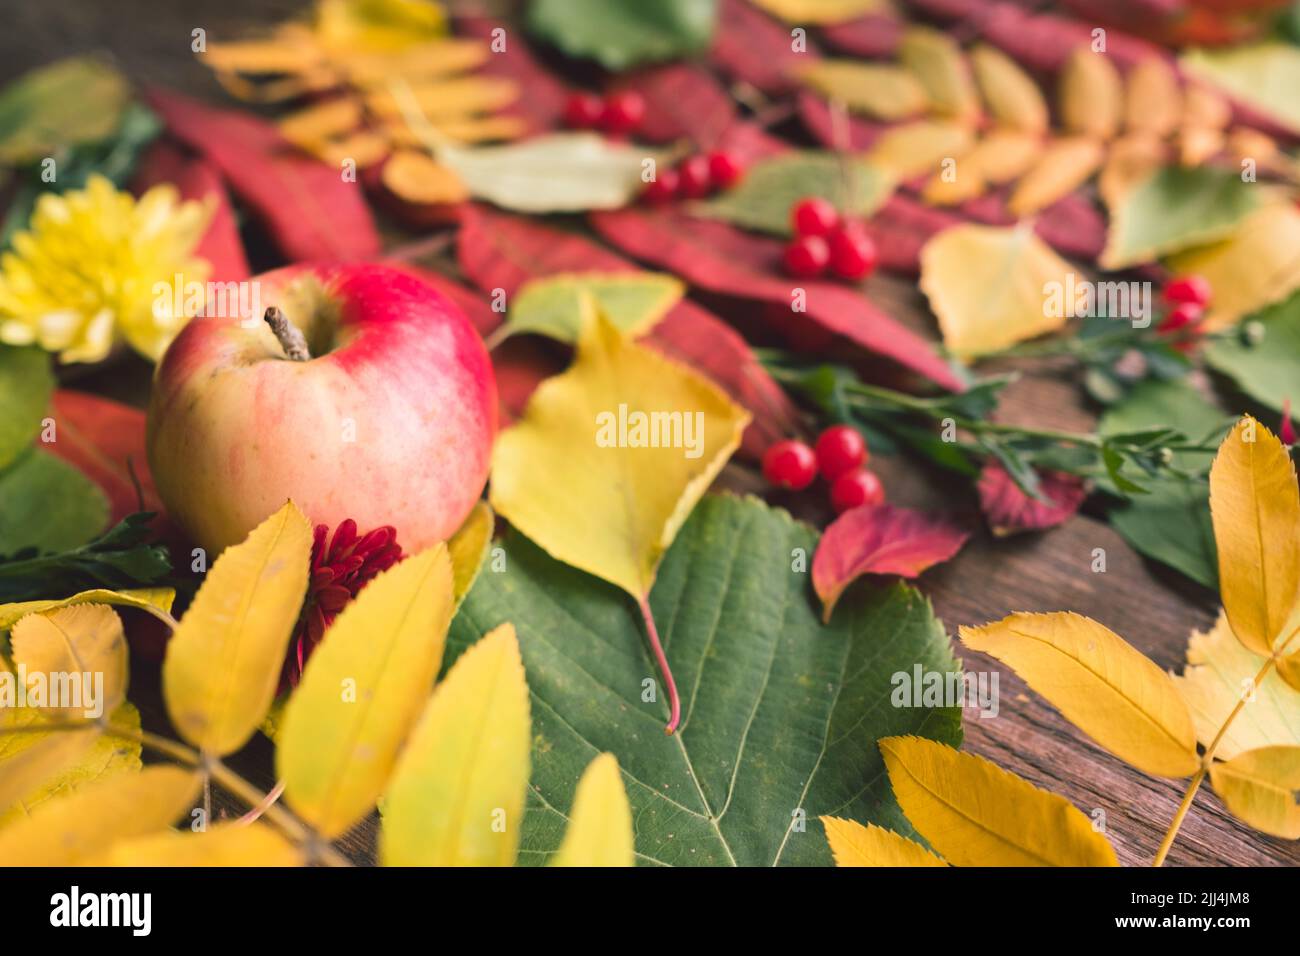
<point x="389" y="421"/>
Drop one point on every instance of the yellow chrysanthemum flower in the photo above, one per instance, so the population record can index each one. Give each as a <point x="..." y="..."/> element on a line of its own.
<point x="91" y="267"/>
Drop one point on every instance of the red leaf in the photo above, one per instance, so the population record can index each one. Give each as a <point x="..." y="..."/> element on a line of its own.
<point x="879" y="539"/>
<point x="1072" y="225"/>
<point x="752" y="47"/>
<point x="683" y="101"/>
<point x="105" y="441"/>
<point x="1009" y="510"/>
<point x="875" y="36"/>
<point x="718" y="258"/>
<point x="750" y="142"/>
<point x="307" y="208"/>
<point x="196" y="178"/>
<point x="817" y="118"/>
<point x="497" y="251"/>
<point x="541" y="96"/>
<point x="901" y="227"/>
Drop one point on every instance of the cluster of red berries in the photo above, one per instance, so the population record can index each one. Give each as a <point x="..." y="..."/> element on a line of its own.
<point x="840" y="456"/>
<point x="1187" y="298"/>
<point x="824" y="241"/>
<point x="617" y="114"/>
<point x="695" y="177"/>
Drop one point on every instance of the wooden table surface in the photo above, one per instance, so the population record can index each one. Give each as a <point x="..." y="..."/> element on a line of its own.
<point x="1152" y="607"/>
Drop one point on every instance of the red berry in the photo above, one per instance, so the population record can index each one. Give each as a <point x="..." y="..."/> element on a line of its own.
<point x="853" y="254"/>
<point x="623" y="112"/>
<point x="663" y="188"/>
<point x="1190" y="290"/>
<point x="696" y="179"/>
<point x="854" y="489"/>
<point x="583" y="111"/>
<point x="790" y="464"/>
<point x="840" y="449"/>
<point x="725" y="169"/>
<point x="806" y="257"/>
<point x="813" y="216"/>
<point x="1178" y="318"/>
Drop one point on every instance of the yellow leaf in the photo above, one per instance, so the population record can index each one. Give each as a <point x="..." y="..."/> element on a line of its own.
<point x="79" y="653"/>
<point x="378" y="25"/>
<point x="1257" y="266"/>
<point x="976" y="814"/>
<point x="560" y="305"/>
<point x="322" y="121"/>
<point x="1199" y="144"/>
<point x="856" y="845"/>
<point x="600" y="824"/>
<point x="987" y="286"/>
<point x="223" y="663"/>
<point x="446" y="99"/>
<point x="1265" y="76"/>
<point x="73" y="829"/>
<point x="1130" y="160"/>
<point x="910" y="149"/>
<point x="468" y="548"/>
<point x="964" y="182"/>
<point x="1100" y="683"/>
<point x="364" y="148"/>
<point x="1262" y="787"/>
<point x="225" y="844"/>
<point x="1219" y="671"/>
<point x="1255" y="506"/>
<point x="628" y="441"/>
<point x="35" y="767"/>
<point x="290" y="49"/>
<point x="877" y="90"/>
<point x="821" y="11"/>
<point x="1064" y="166"/>
<point x="1011" y="95"/>
<point x="1092" y="94"/>
<point x="937" y="61"/>
<point x="362" y="690"/>
<point x="152" y="600"/>
<point x="445" y="57"/>
<point x="1153" y="102"/>
<point x="1288" y="668"/>
<point x="457" y="796"/>
<point x="1004" y="154"/>
<point x="415" y="176"/>
<point x="1202" y="107"/>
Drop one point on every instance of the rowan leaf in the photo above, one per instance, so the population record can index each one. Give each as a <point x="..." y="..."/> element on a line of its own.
<point x="621" y="34"/>
<point x="224" y="844"/>
<point x="26" y="384"/>
<point x="362" y="690"/>
<point x="1255" y="506"/>
<point x="468" y="548"/>
<point x="79" y="641"/>
<point x="1003" y="155"/>
<point x="74" y="829"/>
<point x="224" y="661"/>
<point x="937" y="61"/>
<point x="629" y="442"/>
<point x="1261" y="788"/>
<point x="559" y="305"/>
<point x="1219" y="673"/>
<point x="1100" y="683"/>
<point x="987" y="286"/>
<point x="1265" y="76"/>
<point x="457" y="793"/>
<point x="600" y="825"/>
<point x="152" y="600"/>
<point x="820" y="11"/>
<point x="919" y="146"/>
<point x="1153" y="102"/>
<point x="414" y="176"/>
<point x="1064" y="165"/>
<point x="1011" y="95"/>
<point x="1091" y="94"/>
<point x="881" y="91"/>
<point x="856" y="845"/>
<point x="974" y="813"/>
<point x="380" y="26"/>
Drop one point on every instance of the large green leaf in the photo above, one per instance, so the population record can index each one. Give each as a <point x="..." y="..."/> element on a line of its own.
<point x="47" y="504"/>
<point x="26" y="384"/>
<point x="620" y="33"/>
<point x="780" y="713"/>
<point x="1175" y="208"/>
<point x="1171" y="523"/>
<point x="57" y="106"/>
<point x="763" y="199"/>
<point x="1268" y="370"/>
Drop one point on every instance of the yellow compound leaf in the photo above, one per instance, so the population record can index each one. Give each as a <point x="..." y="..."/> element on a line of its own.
<point x="1130" y="160"/>
<point x="468" y="548"/>
<point x="1153" y="102"/>
<point x="1255" y="506"/>
<point x="856" y="845"/>
<point x="600" y="824"/>
<point x="974" y="813"/>
<point x="1257" y="266"/>
<point x="1219" y="673"/>
<point x="628" y="442"/>
<point x="457" y="796"/>
<point x="290" y="50"/>
<point x="1004" y="154"/>
<point x="74" y="829"/>
<point x="1262" y="787"/>
<point x="322" y="121"/>
<point x="378" y="25"/>
<point x="1064" y="166"/>
<point x="560" y="305"/>
<point x="364" y="148"/>
<point x="1100" y="683"/>
<point x="877" y="90"/>
<point x="226" y="844"/>
<point x="423" y="61"/>
<point x="362" y="690"/>
<point x="223" y="663"/>
<point x="986" y="286"/>
<point x="415" y="176"/>
<point x="1010" y="94"/>
<point x="79" y="655"/>
<point x="821" y="11"/>
<point x="152" y="600"/>
<point x="917" y="147"/>
<point x="1091" y="95"/>
<point x="442" y="99"/>
<point x="937" y="61"/>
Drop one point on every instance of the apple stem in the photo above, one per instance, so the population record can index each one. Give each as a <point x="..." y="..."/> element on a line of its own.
<point x="674" y="702"/>
<point x="291" y="340"/>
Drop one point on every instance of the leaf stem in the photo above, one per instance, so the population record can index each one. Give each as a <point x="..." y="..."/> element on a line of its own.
<point x="674" y="702"/>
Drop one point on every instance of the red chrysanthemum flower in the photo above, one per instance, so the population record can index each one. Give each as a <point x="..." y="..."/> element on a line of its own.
<point x="338" y="573"/>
